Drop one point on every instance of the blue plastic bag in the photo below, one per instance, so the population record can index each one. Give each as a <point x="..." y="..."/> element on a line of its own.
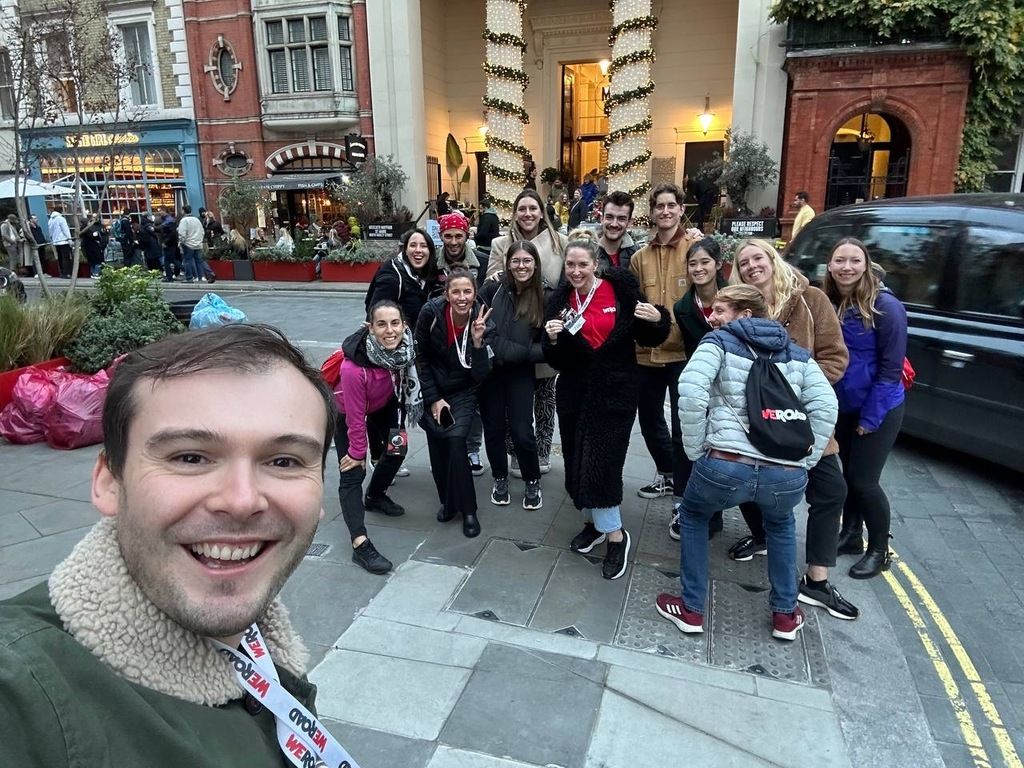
<point x="213" y="310"/>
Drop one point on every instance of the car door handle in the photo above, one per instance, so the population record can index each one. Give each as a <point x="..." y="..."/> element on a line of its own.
<point x="955" y="356"/>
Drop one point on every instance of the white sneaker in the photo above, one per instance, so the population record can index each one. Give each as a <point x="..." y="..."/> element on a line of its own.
<point x="403" y="471"/>
<point x="474" y="464"/>
<point x="545" y="465"/>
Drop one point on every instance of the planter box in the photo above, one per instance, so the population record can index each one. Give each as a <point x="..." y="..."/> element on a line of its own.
<point x="243" y="269"/>
<point x="285" y="271"/>
<point x="339" y="272"/>
<point x="750" y="227"/>
<point x="224" y="270"/>
<point x="10" y="378"/>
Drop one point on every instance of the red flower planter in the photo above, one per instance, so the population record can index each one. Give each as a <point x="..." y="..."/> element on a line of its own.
<point x="340" y="272"/>
<point x="10" y="378"/>
<point x="224" y="270"/>
<point x="284" y="271"/>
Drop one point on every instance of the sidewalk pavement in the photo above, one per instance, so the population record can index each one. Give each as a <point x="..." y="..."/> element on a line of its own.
<point x="235" y="286"/>
<point x="509" y="651"/>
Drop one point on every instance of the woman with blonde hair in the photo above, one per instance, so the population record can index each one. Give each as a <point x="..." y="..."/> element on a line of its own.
<point x="530" y="222"/>
<point x="593" y="325"/>
<point x="871" y="396"/>
<point x="809" y="318"/>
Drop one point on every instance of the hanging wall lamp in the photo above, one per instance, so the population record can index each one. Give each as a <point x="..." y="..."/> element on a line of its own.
<point x="706" y="116"/>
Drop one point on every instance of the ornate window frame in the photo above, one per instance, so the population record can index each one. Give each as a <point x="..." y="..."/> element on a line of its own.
<point x="212" y="66"/>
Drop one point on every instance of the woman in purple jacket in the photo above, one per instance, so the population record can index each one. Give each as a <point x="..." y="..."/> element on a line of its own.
<point x="870" y="396"/>
<point x="377" y="389"/>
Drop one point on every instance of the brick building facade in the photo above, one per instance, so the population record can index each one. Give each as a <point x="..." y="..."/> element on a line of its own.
<point x="919" y="91"/>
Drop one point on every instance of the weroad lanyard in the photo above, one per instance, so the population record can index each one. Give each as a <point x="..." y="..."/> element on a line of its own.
<point x="304" y="741"/>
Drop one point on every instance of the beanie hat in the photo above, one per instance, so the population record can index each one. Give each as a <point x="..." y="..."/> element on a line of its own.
<point x="454" y="221"/>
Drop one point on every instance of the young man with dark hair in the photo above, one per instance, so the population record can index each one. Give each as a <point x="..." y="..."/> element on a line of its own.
<point x="163" y="621"/>
<point x="660" y="266"/>
<point x="804" y="212"/>
<point x="616" y="246"/>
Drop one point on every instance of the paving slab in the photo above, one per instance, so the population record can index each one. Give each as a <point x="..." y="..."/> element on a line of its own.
<point x="12" y="588"/>
<point x="506" y="581"/>
<point x="14" y="528"/>
<point x="642" y="629"/>
<point x="64" y="515"/>
<point x="377" y="749"/>
<point x="417" y="593"/>
<point x="410" y="698"/>
<point x="783" y="730"/>
<point x="37" y="557"/>
<point x="546" y="707"/>
<point x="577" y="600"/>
<point x="508" y="634"/>
<point x="18" y="501"/>
<point x="389" y="638"/>
<point x="446" y="757"/>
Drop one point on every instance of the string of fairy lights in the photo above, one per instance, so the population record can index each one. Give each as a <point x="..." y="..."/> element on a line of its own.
<point x="628" y="104"/>
<point x="504" y="102"/>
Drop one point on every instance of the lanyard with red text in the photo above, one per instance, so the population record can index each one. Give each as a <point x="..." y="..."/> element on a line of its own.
<point x="302" y="738"/>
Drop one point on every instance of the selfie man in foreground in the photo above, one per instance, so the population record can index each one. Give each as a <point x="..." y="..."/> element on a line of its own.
<point x="160" y="641"/>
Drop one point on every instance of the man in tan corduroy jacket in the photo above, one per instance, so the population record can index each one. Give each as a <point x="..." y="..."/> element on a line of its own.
<point x="660" y="266"/>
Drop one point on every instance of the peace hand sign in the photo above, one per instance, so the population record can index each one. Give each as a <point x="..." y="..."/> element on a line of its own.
<point x="480" y="325"/>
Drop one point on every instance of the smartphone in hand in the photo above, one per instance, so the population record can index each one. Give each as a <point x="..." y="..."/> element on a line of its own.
<point x="445" y="418"/>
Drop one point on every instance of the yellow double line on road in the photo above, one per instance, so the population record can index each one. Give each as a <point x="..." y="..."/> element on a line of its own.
<point x="949" y="684"/>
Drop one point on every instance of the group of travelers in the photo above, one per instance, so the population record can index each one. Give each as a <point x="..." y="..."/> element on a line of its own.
<point x="596" y="330"/>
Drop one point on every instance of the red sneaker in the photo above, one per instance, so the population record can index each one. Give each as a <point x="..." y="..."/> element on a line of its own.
<point x="786" y="625"/>
<point x="672" y="608"/>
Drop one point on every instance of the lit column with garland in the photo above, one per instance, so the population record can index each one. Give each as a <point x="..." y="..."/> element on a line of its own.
<point x="506" y="115"/>
<point x="628" y="105"/>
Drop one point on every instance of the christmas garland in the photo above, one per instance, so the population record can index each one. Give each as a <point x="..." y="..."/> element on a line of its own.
<point x="503" y="66"/>
<point x="621" y="98"/>
<point x="630" y="58"/>
<point x="505" y="38"/>
<point x="632" y="163"/>
<point x="629" y="25"/>
<point x="629" y="130"/>
<point x="507" y="73"/>
<point x="508" y="146"/>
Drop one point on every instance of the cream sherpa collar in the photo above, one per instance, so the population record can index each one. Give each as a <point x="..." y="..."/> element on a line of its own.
<point x="103" y="608"/>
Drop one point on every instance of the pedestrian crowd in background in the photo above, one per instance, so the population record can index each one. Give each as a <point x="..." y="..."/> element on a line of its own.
<point x="597" y="330"/>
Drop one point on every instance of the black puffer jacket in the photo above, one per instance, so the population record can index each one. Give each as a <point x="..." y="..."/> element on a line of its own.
<point x="597" y="392"/>
<point x="514" y="341"/>
<point x="689" y="319"/>
<point x="395" y="281"/>
<point x="441" y="373"/>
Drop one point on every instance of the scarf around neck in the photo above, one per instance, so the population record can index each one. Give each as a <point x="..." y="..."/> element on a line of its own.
<point x="401" y="362"/>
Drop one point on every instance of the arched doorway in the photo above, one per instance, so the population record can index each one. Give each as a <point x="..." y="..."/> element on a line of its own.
<point x="869" y="160"/>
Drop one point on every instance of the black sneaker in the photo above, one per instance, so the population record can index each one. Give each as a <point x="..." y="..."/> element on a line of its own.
<point x="660" y="486"/>
<point x="384" y="505"/>
<point x="367" y="557"/>
<point x="499" y="493"/>
<point x="827" y="597"/>
<point x="586" y="539"/>
<point x="673" y="527"/>
<point x="533" y="498"/>
<point x="615" y="557"/>
<point x="745" y="549"/>
<point x="475" y="466"/>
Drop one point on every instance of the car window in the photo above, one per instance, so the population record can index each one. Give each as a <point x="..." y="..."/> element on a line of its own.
<point x="810" y="251"/>
<point x="992" y="273"/>
<point x="913" y="257"/>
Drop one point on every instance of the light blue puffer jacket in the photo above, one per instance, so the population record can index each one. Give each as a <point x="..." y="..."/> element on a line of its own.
<point x="712" y="389"/>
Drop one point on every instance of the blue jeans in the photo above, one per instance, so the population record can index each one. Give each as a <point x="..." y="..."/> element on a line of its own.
<point x="192" y="262"/>
<point x="719" y="484"/>
<point x="605" y="519"/>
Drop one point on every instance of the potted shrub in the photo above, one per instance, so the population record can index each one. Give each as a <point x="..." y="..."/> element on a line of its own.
<point x="370" y="194"/>
<point x="240" y="204"/>
<point x="128" y="312"/>
<point x="37" y="334"/>
<point x="291" y="266"/>
<point x="356" y="262"/>
<point x="746" y="165"/>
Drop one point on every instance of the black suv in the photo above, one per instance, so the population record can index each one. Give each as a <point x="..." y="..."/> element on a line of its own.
<point x="957" y="262"/>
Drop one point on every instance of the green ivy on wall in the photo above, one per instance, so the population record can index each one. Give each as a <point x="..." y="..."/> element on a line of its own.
<point x="990" y="32"/>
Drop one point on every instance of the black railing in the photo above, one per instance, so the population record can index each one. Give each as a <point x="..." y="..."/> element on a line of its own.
<point x="802" y="34"/>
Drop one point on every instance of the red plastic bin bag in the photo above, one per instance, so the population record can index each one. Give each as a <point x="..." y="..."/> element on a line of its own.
<point x="76" y="419"/>
<point x="23" y="420"/>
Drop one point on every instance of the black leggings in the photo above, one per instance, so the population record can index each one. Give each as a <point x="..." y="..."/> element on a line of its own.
<point x="350" y="484"/>
<point x="826" y="491"/>
<point x="663" y="443"/>
<point x="864" y="457"/>
<point x="506" y="401"/>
